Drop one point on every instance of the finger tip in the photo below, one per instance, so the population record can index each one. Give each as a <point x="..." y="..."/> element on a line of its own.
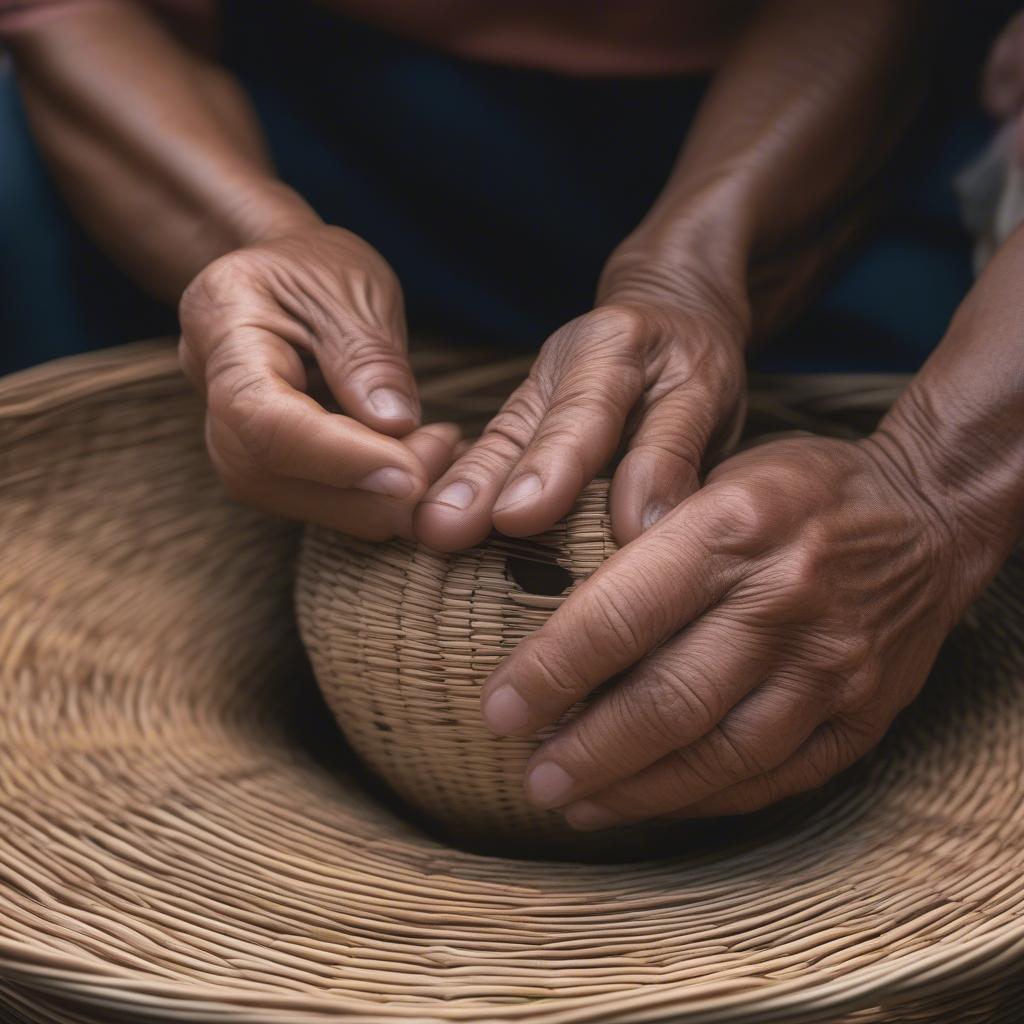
<point x="590" y="816"/>
<point x="505" y="712"/>
<point x="450" y="433"/>
<point x="525" y="521"/>
<point x="548" y="785"/>
<point x="445" y="529"/>
<point x="442" y="429"/>
<point x="392" y="426"/>
<point x="405" y="485"/>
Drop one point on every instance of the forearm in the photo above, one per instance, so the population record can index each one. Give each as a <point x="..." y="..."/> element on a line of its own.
<point x="157" y="152"/>
<point x="795" y="123"/>
<point x="957" y="433"/>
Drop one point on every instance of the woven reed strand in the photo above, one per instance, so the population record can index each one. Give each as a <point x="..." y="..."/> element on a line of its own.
<point x="402" y="639"/>
<point x="169" y="851"/>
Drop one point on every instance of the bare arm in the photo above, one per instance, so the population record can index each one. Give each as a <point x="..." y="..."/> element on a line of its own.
<point x="157" y="150"/>
<point x="957" y="433"/>
<point x="797" y="120"/>
<point x="161" y="157"/>
<point x="795" y="125"/>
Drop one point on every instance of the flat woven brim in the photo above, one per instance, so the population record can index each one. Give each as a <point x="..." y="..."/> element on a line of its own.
<point x="174" y="847"/>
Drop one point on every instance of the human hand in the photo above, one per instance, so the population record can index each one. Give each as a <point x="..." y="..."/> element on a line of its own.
<point x="664" y="379"/>
<point x="764" y="636"/>
<point x="251" y="321"/>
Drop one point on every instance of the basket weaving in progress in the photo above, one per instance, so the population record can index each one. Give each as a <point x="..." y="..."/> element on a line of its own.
<point x="402" y="640"/>
<point x="182" y="838"/>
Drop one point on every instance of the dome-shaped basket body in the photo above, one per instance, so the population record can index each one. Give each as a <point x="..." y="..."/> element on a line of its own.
<point x="402" y="640"/>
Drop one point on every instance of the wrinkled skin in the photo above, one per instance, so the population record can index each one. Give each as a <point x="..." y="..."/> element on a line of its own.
<point x="663" y="382"/>
<point x="792" y="608"/>
<point x="278" y="335"/>
<point x="762" y="625"/>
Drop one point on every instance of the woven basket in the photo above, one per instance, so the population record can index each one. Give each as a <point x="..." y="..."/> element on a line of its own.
<point x="402" y="639"/>
<point x="180" y="842"/>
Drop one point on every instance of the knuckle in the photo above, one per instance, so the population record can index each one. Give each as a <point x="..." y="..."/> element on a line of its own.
<point x="738" y="757"/>
<point x="621" y="322"/>
<point x="809" y="686"/>
<point x="621" y="333"/>
<point x="858" y="734"/>
<point x="691" y="769"/>
<point x="745" y="516"/>
<point x="802" y="584"/>
<point x="755" y="796"/>
<point x="676" y="706"/>
<point x="857" y="692"/>
<point x="213" y="286"/>
<point x="489" y="459"/>
<point x="513" y="427"/>
<point x="834" y="750"/>
<point x="684" y="451"/>
<point x="837" y="670"/>
<point x="854" y="657"/>
<point x="553" y="669"/>
<point x="806" y="563"/>
<point x="589" y="751"/>
<point x="608" y="626"/>
<point x="243" y="401"/>
<point x="817" y="767"/>
<point x="358" y="352"/>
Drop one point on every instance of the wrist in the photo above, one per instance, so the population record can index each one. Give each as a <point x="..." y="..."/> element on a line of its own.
<point x="962" y="484"/>
<point x="691" y="258"/>
<point x="260" y="208"/>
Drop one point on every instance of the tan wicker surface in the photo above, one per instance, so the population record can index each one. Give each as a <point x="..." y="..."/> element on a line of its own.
<point x="402" y="639"/>
<point x="174" y="848"/>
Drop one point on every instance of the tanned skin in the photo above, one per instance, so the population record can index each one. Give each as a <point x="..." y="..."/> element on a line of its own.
<point x="766" y="620"/>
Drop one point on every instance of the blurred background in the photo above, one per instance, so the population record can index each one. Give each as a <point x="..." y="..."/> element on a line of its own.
<point x="496" y="193"/>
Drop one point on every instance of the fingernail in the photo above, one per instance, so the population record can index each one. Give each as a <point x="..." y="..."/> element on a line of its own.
<point x="391" y="404"/>
<point x="549" y="784"/>
<point x="505" y="711"/>
<point x="653" y="513"/>
<point x="517" y="491"/>
<point x="457" y="495"/>
<point x="587" y="816"/>
<point x="395" y="483"/>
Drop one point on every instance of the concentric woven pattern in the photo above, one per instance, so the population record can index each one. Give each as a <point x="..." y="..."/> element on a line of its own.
<point x="402" y="639"/>
<point x="171" y="849"/>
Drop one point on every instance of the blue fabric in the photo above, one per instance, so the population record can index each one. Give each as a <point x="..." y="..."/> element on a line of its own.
<point x="496" y="194"/>
<point x="58" y="293"/>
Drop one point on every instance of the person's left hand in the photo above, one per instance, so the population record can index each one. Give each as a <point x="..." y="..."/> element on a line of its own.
<point x="759" y="640"/>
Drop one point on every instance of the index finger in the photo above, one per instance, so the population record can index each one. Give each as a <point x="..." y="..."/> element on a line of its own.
<point x="264" y="424"/>
<point x="642" y="595"/>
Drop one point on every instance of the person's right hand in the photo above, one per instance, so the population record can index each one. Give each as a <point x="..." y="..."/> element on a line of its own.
<point x="260" y="327"/>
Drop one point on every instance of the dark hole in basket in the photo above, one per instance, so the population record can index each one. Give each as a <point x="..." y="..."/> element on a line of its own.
<point x="538" y="577"/>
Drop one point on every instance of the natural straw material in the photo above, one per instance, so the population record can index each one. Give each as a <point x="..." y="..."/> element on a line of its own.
<point x="402" y="639"/>
<point x="173" y="848"/>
